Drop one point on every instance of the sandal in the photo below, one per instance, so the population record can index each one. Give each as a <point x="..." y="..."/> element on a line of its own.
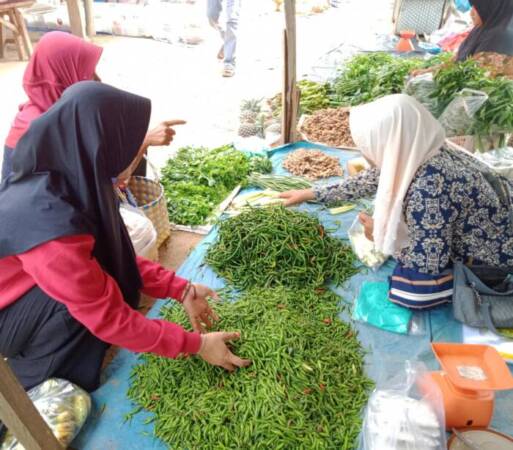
<point x="228" y="71"/>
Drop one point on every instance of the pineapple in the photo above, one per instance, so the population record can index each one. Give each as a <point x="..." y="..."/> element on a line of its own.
<point x="252" y="105"/>
<point x="248" y="129"/>
<point x="260" y="123"/>
<point x="248" y="117"/>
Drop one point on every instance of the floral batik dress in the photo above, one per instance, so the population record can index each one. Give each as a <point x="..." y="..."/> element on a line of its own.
<point x="453" y="211"/>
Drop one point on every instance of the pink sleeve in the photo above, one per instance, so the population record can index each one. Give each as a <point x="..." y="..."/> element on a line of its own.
<point x="66" y="270"/>
<point x="159" y="282"/>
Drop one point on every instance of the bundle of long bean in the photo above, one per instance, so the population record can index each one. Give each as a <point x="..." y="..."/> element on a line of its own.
<point x="279" y="183"/>
<point x="305" y="389"/>
<point x="275" y="246"/>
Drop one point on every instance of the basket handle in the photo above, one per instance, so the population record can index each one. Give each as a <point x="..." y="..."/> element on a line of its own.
<point x="153" y="169"/>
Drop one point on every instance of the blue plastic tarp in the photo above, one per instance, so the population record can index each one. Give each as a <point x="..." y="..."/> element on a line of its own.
<point x="107" y="430"/>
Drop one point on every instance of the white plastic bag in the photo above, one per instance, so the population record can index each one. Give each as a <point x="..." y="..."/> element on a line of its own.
<point x="142" y="232"/>
<point x="63" y="406"/>
<point x="500" y="160"/>
<point x="364" y="249"/>
<point x="421" y="88"/>
<point x="458" y="117"/>
<point x="401" y="416"/>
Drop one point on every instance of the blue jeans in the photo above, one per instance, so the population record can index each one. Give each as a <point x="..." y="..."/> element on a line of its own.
<point x="7" y="162"/>
<point x="229" y="32"/>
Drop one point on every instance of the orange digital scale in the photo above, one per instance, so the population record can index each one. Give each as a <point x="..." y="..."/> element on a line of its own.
<point x="468" y="380"/>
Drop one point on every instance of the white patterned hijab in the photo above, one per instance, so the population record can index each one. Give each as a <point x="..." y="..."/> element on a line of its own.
<point x="397" y="134"/>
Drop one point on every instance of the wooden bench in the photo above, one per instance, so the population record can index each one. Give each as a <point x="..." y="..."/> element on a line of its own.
<point x="12" y="19"/>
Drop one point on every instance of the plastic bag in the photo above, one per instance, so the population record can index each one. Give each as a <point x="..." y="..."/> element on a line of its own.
<point x="463" y="5"/>
<point x="63" y="406"/>
<point x="458" y="117"/>
<point x="500" y="160"/>
<point x="372" y="306"/>
<point x="405" y="413"/>
<point x="421" y="87"/>
<point x="141" y="230"/>
<point x="363" y="248"/>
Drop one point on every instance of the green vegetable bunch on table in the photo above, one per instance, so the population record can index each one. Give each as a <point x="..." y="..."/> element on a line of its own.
<point x="314" y="96"/>
<point x="495" y="118"/>
<point x="305" y="389"/>
<point x="452" y="78"/>
<point x="369" y="76"/>
<point x="198" y="179"/>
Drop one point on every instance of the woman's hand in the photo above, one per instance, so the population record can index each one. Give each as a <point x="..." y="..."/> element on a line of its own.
<point x="368" y="225"/>
<point x="215" y="351"/>
<point x="297" y="196"/>
<point x="197" y="307"/>
<point x="163" y="133"/>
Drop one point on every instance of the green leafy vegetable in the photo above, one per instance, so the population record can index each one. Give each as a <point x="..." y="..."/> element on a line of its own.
<point x="367" y="77"/>
<point x="198" y="179"/>
<point x="496" y="115"/>
<point x="452" y="78"/>
<point x="260" y="164"/>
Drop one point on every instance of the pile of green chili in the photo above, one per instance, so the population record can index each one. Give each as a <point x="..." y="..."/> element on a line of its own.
<point x="305" y="389"/>
<point x="274" y="246"/>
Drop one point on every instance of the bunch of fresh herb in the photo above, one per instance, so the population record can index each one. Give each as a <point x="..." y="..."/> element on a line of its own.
<point x="198" y="179"/>
<point x="454" y="77"/>
<point x="367" y="77"/>
<point x="495" y="118"/>
<point x="260" y="164"/>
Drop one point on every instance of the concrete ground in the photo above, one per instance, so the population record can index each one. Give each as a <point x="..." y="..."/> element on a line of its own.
<point x="184" y="82"/>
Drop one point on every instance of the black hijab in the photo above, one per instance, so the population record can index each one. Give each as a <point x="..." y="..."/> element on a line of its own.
<point x="61" y="181"/>
<point x="496" y="32"/>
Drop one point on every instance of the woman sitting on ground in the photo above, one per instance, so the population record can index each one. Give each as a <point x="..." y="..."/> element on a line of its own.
<point x="69" y="278"/>
<point x="59" y="61"/>
<point x="432" y="205"/>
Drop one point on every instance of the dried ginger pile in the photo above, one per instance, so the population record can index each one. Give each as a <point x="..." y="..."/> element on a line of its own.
<point x="312" y="164"/>
<point x="329" y="126"/>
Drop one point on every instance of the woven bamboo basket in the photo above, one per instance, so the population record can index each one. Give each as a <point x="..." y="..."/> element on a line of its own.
<point x="151" y="199"/>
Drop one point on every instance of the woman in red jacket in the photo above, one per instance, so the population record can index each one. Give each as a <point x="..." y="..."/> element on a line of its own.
<point x="59" y="61"/>
<point x="69" y="277"/>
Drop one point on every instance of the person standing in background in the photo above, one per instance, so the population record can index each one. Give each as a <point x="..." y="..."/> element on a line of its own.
<point x="228" y="32"/>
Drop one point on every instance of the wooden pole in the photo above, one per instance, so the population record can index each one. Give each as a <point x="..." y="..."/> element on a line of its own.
<point x="89" y="18"/>
<point x="24" y="32"/>
<point x="290" y="94"/>
<point x="75" y="18"/>
<point x="20" y="416"/>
